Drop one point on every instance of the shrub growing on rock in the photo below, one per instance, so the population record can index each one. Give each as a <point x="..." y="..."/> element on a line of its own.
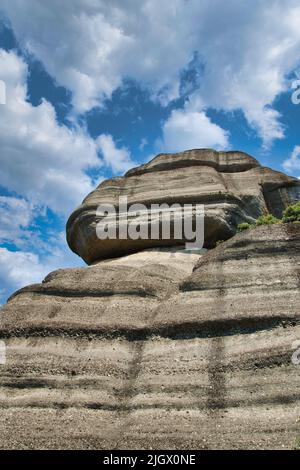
<point x="292" y="213"/>
<point x="268" y="219"/>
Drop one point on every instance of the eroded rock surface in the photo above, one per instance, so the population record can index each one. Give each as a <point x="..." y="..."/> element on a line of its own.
<point x="159" y="349"/>
<point x="233" y="187"/>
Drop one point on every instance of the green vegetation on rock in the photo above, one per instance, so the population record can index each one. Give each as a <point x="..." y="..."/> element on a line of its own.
<point x="291" y="214"/>
<point x="268" y="219"/>
<point x="244" y="226"/>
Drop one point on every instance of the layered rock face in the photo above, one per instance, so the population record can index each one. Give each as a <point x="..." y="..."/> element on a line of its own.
<point x="232" y="186"/>
<point x="161" y="348"/>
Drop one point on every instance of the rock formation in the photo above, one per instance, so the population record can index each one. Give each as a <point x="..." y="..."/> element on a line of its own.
<point x="232" y="185"/>
<point x="159" y="347"/>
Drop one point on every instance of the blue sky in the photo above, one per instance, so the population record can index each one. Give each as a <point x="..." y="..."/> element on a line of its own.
<point x="98" y="87"/>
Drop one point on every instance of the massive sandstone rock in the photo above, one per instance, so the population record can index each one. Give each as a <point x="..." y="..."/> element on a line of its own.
<point x="161" y="348"/>
<point x="232" y="186"/>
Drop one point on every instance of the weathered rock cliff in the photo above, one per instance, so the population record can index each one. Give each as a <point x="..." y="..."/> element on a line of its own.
<point x="163" y="348"/>
<point x="232" y="186"/>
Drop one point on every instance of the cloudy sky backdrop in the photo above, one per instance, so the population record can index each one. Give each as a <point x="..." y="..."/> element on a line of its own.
<point x="95" y="87"/>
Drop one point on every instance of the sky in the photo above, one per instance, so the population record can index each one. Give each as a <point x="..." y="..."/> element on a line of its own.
<point x="94" y="88"/>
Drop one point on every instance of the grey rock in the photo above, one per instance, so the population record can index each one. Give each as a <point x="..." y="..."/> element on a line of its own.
<point x="159" y="349"/>
<point x="162" y="348"/>
<point x="232" y="186"/>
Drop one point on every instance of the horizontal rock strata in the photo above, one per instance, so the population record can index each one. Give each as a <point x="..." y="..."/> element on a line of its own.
<point x="233" y="187"/>
<point x="159" y="349"/>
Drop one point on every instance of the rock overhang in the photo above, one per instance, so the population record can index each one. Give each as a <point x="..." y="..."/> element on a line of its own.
<point x="232" y="186"/>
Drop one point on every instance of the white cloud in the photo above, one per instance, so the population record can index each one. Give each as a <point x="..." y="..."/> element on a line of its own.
<point x="15" y="214"/>
<point x="191" y="129"/>
<point x="118" y="158"/>
<point x="90" y="46"/>
<point x="20" y="268"/>
<point x="143" y="144"/>
<point x="44" y="163"/>
<point x="292" y="163"/>
<point x="41" y="160"/>
<point x="246" y="48"/>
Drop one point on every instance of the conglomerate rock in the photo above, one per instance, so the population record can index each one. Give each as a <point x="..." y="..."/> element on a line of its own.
<point x="233" y="187"/>
<point x="162" y="348"/>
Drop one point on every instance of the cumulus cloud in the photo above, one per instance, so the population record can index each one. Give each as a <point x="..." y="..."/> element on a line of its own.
<point x="186" y="129"/>
<point x="16" y="215"/>
<point x="19" y="268"/>
<point x="98" y="43"/>
<point x="292" y="163"/>
<point x="41" y="160"/>
<point x="118" y="158"/>
<point x="246" y="49"/>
